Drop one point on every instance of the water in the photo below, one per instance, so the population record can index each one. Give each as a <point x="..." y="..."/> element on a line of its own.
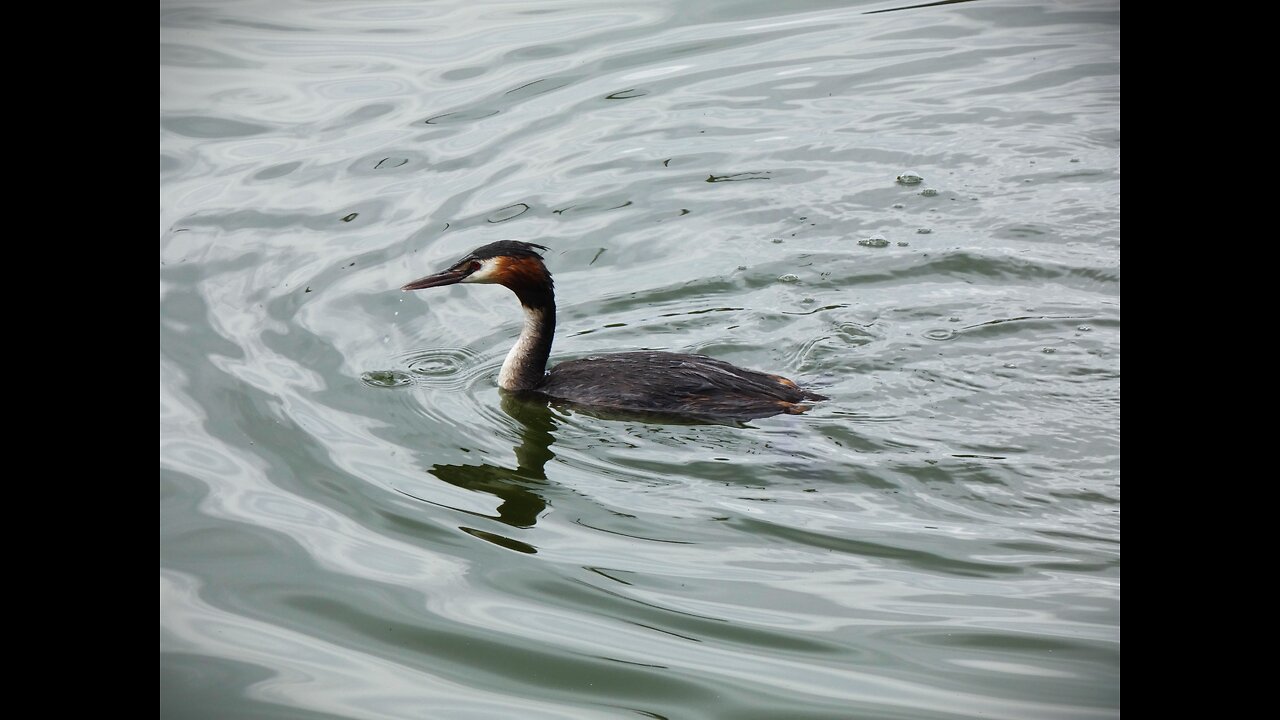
<point x="355" y="523"/>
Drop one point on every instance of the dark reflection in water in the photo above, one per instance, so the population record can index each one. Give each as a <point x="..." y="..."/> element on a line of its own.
<point x="519" y="489"/>
<point x="636" y="416"/>
<point x="522" y="489"/>
<point x="916" y="7"/>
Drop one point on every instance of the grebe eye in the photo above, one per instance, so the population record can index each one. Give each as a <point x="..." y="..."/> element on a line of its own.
<point x="475" y="265"/>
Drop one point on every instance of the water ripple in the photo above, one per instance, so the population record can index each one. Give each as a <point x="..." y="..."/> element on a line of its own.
<point x="356" y="522"/>
<point x="445" y="368"/>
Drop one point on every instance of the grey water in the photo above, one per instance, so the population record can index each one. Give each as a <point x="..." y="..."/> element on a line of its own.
<point x="912" y="208"/>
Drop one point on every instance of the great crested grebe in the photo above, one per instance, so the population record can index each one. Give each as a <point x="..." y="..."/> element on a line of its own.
<point x="694" y="386"/>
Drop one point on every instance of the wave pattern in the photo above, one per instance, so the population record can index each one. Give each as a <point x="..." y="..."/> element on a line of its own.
<point x="356" y="523"/>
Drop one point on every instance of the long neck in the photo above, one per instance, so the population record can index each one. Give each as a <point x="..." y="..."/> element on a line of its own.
<point x="526" y="364"/>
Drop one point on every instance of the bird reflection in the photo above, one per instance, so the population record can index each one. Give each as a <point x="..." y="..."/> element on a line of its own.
<point x="521" y="490"/>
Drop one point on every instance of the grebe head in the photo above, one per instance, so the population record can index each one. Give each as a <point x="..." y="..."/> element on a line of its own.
<point x="512" y="263"/>
<point x="518" y="267"/>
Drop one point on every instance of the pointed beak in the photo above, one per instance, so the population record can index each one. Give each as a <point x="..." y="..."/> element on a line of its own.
<point x="448" y="277"/>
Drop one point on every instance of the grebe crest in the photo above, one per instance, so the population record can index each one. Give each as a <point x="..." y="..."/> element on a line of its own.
<point x="645" y="382"/>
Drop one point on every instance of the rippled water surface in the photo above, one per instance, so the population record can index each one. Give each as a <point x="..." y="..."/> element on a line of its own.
<point x="355" y="523"/>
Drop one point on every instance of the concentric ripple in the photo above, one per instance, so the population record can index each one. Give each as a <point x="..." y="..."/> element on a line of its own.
<point x="444" y="368"/>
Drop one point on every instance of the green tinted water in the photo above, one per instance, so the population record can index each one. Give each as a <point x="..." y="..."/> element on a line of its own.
<point x="355" y="523"/>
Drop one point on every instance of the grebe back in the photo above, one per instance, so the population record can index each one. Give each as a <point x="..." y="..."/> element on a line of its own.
<point x="693" y="386"/>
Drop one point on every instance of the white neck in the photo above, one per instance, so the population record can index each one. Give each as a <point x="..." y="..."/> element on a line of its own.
<point x="526" y="364"/>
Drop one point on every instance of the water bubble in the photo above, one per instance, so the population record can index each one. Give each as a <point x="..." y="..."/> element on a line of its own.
<point x="929" y="192"/>
<point x="777" y="241"/>
<point x="910" y="177"/>
<point x="1048" y="351"/>
<point x="902" y="243"/>
<point x="953" y="318"/>
<point x="898" y="206"/>
<point x="877" y="240"/>
<point x="1083" y="328"/>
<point x="940" y="334"/>
<point x="386" y="378"/>
<point x="1011" y="366"/>
<point x="923" y="231"/>
<point x="789" y="278"/>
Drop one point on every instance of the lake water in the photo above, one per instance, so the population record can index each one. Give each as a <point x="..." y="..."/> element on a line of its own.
<point x="355" y="523"/>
